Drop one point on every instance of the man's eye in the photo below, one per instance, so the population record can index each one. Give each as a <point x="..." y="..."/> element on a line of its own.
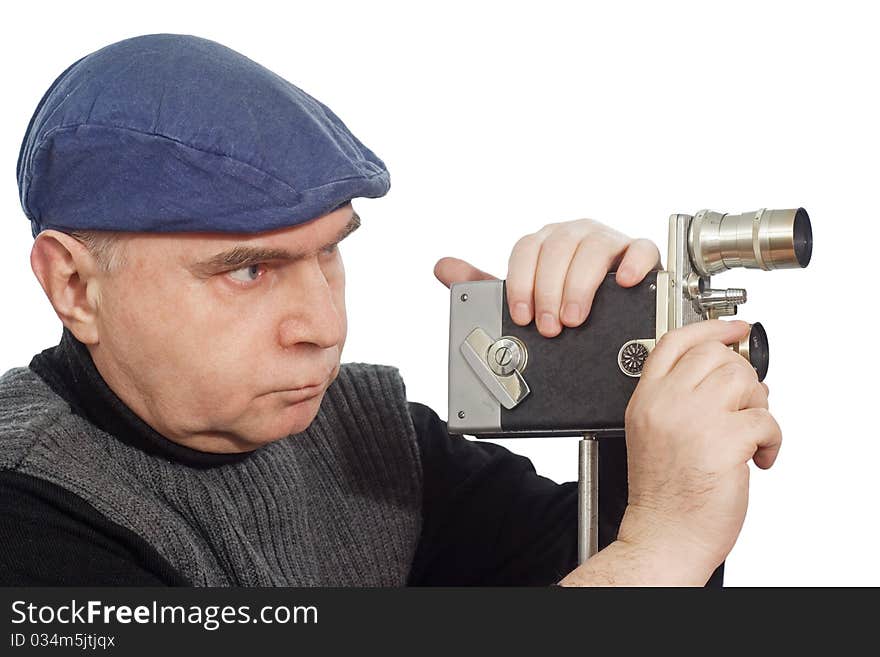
<point x="246" y="274"/>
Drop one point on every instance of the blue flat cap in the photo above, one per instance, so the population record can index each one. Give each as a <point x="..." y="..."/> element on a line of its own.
<point x="171" y="133"/>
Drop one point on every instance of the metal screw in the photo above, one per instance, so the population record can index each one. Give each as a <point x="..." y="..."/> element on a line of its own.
<point x="464" y="297"/>
<point x="653" y="287"/>
<point x="461" y="415"/>
<point x="503" y="356"/>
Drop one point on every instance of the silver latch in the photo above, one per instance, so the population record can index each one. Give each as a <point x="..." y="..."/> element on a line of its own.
<point x="498" y="364"/>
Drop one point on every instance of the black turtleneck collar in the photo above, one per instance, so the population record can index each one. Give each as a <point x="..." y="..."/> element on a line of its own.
<point x="69" y="370"/>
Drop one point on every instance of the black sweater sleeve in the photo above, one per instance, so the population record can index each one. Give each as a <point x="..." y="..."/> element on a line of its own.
<point x="51" y="537"/>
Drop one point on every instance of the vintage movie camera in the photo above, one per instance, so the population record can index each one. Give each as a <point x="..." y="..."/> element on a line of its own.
<point x="507" y="380"/>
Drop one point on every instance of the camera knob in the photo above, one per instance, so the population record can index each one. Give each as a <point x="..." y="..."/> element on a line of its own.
<point x="507" y="354"/>
<point x="719" y="303"/>
<point x="632" y="356"/>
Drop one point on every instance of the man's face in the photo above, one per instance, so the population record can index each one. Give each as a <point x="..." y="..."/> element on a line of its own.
<point x="208" y="336"/>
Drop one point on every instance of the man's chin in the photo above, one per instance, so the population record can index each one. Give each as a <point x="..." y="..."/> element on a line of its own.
<point x="291" y="419"/>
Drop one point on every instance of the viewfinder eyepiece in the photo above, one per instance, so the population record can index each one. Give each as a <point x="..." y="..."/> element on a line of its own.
<point x="755" y="348"/>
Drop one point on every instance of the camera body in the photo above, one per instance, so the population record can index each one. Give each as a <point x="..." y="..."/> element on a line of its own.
<point x="507" y="380"/>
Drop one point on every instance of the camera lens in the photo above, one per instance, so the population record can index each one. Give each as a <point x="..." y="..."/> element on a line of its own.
<point x="765" y="239"/>
<point x="755" y="348"/>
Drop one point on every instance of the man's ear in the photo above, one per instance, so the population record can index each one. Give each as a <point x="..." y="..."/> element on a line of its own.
<point x="68" y="275"/>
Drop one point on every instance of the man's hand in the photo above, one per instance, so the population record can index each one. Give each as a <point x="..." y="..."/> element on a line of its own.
<point x="554" y="273"/>
<point x="698" y="415"/>
<point x="696" y="418"/>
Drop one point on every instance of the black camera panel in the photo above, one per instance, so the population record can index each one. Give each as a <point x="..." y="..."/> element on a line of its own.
<point x="576" y="383"/>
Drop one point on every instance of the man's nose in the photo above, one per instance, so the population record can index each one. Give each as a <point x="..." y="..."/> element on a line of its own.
<point x="310" y="314"/>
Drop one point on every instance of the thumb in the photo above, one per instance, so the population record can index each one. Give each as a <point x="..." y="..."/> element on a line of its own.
<point x="454" y="270"/>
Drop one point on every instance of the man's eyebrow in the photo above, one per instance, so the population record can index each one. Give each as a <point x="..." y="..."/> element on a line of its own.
<point x="245" y="256"/>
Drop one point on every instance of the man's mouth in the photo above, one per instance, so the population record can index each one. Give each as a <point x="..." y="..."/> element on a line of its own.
<point x="302" y="394"/>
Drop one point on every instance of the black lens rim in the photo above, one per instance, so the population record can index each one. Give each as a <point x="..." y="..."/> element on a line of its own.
<point x="802" y="237"/>
<point x="759" y="350"/>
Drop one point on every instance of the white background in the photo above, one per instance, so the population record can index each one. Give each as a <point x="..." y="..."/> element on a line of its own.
<point x="496" y="118"/>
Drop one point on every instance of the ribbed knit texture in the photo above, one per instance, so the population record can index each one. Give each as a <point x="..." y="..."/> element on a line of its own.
<point x="336" y="505"/>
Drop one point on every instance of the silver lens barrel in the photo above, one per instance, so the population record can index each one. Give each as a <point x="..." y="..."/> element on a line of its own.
<point x="765" y="239"/>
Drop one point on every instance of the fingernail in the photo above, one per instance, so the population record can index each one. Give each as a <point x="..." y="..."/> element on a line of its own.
<point x="572" y="313"/>
<point x="548" y="322"/>
<point x="521" y="312"/>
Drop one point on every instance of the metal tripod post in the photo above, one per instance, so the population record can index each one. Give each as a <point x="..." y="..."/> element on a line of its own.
<point x="588" y="497"/>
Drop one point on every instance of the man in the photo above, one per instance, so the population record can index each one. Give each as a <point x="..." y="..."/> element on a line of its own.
<point x="195" y="424"/>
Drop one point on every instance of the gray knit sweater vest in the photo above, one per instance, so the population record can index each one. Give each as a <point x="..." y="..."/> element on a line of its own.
<point x="336" y="505"/>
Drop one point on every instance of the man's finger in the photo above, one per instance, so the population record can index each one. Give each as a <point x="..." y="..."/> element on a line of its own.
<point x="758" y="399"/>
<point x="455" y="270"/>
<point x="734" y="384"/>
<point x="763" y="437"/>
<point x="674" y="344"/>
<point x="700" y="361"/>
<point x="587" y="270"/>
<point x="556" y="254"/>
<point x="520" y="281"/>
<point x="640" y="257"/>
